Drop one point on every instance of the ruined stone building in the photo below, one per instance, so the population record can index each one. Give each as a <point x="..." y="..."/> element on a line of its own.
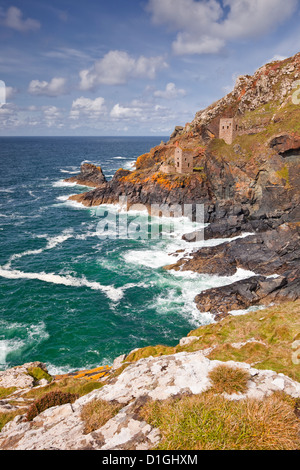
<point x="183" y="160"/>
<point x="228" y="130"/>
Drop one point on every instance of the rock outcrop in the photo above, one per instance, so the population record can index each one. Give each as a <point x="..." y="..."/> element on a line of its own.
<point x="62" y="427"/>
<point x="271" y="255"/>
<point x="249" y="186"/>
<point x="21" y="377"/>
<point x="90" y="175"/>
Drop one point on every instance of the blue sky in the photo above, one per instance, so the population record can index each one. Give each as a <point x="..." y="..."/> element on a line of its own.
<point x="131" y="67"/>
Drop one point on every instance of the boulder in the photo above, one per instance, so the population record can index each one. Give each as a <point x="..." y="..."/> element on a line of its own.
<point x="90" y="175"/>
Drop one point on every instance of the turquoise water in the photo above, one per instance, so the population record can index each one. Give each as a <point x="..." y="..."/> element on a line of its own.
<point x="68" y="297"/>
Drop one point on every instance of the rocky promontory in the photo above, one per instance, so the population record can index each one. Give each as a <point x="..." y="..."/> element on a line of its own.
<point x="250" y="185"/>
<point x="90" y="175"/>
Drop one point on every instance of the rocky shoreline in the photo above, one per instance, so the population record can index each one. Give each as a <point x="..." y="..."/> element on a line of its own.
<point x="250" y="191"/>
<point x="250" y="186"/>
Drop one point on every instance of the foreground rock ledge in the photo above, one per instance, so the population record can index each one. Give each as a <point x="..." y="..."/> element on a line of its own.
<point x="61" y="427"/>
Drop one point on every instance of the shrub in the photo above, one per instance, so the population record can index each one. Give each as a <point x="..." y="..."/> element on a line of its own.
<point x="47" y="401"/>
<point x="228" y="379"/>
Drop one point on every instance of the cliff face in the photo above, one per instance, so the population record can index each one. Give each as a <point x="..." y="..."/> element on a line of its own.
<point x="259" y="170"/>
<point x="250" y="185"/>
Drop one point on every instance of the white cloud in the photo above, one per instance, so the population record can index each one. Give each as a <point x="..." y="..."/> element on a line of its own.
<point x="13" y="18"/>
<point x="140" y="112"/>
<point x="170" y="92"/>
<point x="88" y="108"/>
<point x="187" y="43"/>
<point x="205" y="27"/>
<point x="56" y="87"/>
<point x="117" y="67"/>
<point x="10" y="92"/>
<point x="277" y="57"/>
<point x="123" y="112"/>
<point x="53" y="116"/>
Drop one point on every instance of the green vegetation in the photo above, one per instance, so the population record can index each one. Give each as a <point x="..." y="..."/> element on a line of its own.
<point x="38" y="374"/>
<point x="148" y="351"/>
<point x="79" y="387"/>
<point x="9" y="416"/>
<point x="5" y="392"/>
<point x="272" y="332"/>
<point x="284" y="174"/>
<point x="211" y="422"/>
<point x="68" y="385"/>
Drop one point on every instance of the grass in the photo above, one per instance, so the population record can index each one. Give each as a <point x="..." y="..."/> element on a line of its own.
<point x="96" y="413"/>
<point x="229" y="380"/>
<point x="10" y="415"/>
<point x="148" y="351"/>
<point x="274" y="330"/>
<point x="5" y="392"/>
<point x="69" y="385"/>
<point x="79" y="387"/>
<point x="211" y="422"/>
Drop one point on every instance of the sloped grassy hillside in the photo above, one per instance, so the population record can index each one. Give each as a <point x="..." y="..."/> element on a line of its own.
<point x="266" y="339"/>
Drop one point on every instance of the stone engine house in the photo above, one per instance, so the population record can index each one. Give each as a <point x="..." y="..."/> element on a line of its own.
<point x="228" y="130"/>
<point x="184" y="160"/>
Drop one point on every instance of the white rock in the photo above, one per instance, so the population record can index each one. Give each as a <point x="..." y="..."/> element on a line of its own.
<point x="188" y="340"/>
<point x="153" y="377"/>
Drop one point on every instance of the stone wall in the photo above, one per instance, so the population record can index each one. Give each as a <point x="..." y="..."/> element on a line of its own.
<point x="227" y="130"/>
<point x="183" y="160"/>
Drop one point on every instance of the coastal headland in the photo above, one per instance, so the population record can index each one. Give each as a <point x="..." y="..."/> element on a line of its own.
<point x="233" y="384"/>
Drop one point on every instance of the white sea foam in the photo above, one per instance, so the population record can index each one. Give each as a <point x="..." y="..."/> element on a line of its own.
<point x="63" y="198"/>
<point x="74" y="204"/>
<point x="7" y="190"/>
<point x="247" y="310"/>
<point x="31" y="334"/>
<point x="69" y="172"/>
<point x="215" y="280"/>
<point x="151" y="258"/>
<point x="52" y="242"/>
<point x="6" y="347"/>
<point x="130" y="165"/>
<point x="114" y="294"/>
<point x="62" y="184"/>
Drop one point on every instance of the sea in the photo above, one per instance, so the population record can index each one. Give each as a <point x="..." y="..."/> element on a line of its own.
<point x="69" y="296"/>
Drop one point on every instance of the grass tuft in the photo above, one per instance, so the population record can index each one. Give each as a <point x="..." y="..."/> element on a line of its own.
<point x="97" y="412"/>
<point x="229" y="380"/>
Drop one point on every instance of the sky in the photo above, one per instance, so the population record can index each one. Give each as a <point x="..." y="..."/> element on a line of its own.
<point x="130" y="67"/>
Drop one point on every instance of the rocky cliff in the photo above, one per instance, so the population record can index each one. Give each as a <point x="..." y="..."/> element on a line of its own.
<point x="251" y="185"/>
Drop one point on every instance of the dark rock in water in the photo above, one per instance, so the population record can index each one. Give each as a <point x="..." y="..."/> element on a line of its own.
<point x="273" y="256"/>
<point x="249" y="186"/>
<point x="239" y="295"/>
<point x="90" y="175"/>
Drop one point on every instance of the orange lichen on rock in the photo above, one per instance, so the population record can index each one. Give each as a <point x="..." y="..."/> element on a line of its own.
<point x="164" y="181"/>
